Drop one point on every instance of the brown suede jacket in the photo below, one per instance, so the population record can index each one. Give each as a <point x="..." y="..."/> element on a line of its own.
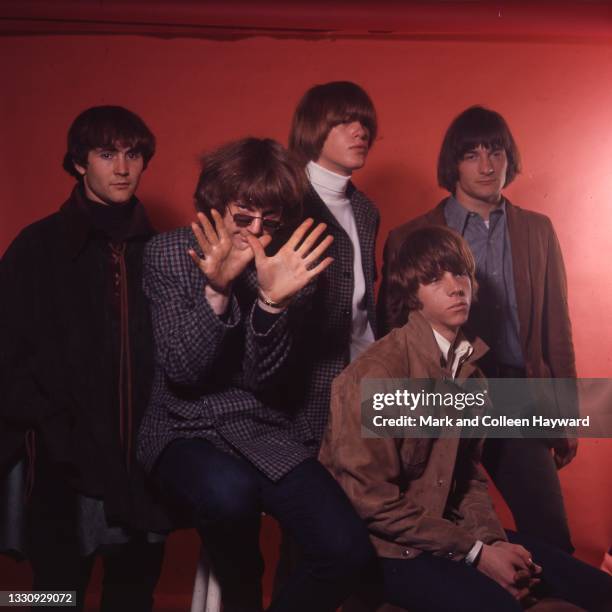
<point x="415" y="494"/>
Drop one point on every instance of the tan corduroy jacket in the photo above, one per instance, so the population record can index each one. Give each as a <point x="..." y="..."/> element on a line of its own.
<point x="406" y="489"/>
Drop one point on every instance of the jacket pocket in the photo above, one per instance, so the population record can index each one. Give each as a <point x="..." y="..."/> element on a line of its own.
<point x="415" y="455"/>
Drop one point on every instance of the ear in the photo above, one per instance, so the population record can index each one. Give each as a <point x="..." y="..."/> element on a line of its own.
<point x="82" y="170"/>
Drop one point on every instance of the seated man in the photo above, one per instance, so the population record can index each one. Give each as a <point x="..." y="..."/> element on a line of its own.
<point x="425" y="502"/>
<point x="220" y="436"/>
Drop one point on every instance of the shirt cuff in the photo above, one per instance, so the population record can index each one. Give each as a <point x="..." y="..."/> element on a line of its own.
<point x="471" y="557"/>
<point x="263" y="320"/>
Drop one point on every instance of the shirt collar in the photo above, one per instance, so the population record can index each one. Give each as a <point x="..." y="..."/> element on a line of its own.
<point x="330" y="181"/>
<point x="461" y="350"/>
<point x="457" y="215"/>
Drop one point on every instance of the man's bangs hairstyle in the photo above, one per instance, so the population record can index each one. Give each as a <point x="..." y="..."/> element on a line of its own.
<point x="322" y="108"/>
<point x="474" y="127"/>
<point x="423" y="257"/>
<point x="105" y="127"/>
<point x="255" y="172"/>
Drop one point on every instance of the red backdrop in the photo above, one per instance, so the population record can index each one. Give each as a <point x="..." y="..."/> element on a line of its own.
<point x="202" y="75"/>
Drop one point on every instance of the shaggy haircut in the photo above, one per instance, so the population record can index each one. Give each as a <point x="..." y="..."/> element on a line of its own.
<point x="475" y="127"/>
<point x="105" y="127"/>
<point x="422" y="258"/>
<point x="322" y="108"/>
<point x="257" y="172"/>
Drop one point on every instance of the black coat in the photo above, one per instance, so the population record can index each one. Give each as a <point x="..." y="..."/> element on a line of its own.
<point x="59" y="329"/>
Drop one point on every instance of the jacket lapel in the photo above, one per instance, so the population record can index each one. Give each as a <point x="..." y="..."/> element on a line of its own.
<point x="518" y="230"/>
<point x="315" y="207"/>
<point x="436" y="216"/>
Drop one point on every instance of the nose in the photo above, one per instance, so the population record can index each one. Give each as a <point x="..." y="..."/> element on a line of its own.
<point x="121" y="166"/>
<point x="452" y="284"/>
<point x="256" y="227"/>
<point x="486" y="167"/>
<point x="358" y="130"/>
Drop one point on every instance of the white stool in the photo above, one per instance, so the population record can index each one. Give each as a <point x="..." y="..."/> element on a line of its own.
<point x="206" y="590"/>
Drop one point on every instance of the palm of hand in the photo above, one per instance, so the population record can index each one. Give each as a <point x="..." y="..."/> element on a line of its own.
<point x="282" y="274"/>
<point x="224" y="263"/>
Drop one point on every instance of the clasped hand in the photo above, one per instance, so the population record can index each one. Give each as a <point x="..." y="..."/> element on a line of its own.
<point x="511" y="566"/>
<point x="279" y="276"/>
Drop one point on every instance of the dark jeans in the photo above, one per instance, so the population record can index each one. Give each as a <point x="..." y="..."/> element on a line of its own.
<point x="436" y="584"/>
<point x="524" y="472"/>
<point x="226" y="496"/>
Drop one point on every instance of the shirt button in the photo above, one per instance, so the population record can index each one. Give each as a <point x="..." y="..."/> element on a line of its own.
<point x="440" y="482"/>
<point x="346" y="312"/>
<point x="450" y="555"/>
<point x="406" y="553"/>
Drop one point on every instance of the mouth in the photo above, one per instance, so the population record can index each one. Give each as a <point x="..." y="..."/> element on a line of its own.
<point x="360" y="148"/>
<point x="120" y="185"/>
<point x="459" y="306"/>
<point x="490" y="181"/>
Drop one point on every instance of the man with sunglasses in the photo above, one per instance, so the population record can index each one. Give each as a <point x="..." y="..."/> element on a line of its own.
<point x="221" y="436"/>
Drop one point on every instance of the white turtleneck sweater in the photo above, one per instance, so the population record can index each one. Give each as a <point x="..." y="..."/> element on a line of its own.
<point x="331" y="188"/>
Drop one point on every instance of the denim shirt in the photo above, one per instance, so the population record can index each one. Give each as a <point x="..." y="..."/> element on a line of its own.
<point x="494" y="315"/>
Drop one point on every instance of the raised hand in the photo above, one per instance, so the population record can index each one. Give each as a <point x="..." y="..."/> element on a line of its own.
<point x="282" y="275"/>
<point x="222" y="261"/>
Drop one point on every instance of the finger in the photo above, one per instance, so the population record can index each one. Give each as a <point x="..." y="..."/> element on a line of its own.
<point x="265" y="240"/>
<point x="257" y="248"/>
<point x="523" y="554"/>
<point x="208" y="229"/>
<point x="536" y="569"/>
<point x="521" y="577"/>
<point x="201" y="239"/>
<point x="321" y="248"/>
<point x="198" y="261"/>
<point x="559" y="459"/>
<point x="299" y="234"/>
<point x="219" y="224"/>
<point x="312" y="273"/>
<point x="310" y="240"/>
<point x="520" y="594"/>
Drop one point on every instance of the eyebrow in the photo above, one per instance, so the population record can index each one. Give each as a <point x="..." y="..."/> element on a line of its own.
<point x="113" y="149"/>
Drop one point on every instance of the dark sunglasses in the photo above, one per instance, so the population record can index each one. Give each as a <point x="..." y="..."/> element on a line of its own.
<point x="242" y="220"/>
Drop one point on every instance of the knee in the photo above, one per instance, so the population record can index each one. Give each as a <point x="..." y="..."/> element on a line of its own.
<point x="229" y="497"/>
<point x="347" y="555"/>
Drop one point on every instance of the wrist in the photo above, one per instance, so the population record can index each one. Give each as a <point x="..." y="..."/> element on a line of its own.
<point x="267" y="303"/>
<point x="217" y="300"/>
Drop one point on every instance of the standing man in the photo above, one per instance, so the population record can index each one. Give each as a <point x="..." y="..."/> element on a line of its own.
<point x="333" y="129"/>
<point x="77" y="364"/>
<point x="521" y="312"/>
<point x="332" y="132"/>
